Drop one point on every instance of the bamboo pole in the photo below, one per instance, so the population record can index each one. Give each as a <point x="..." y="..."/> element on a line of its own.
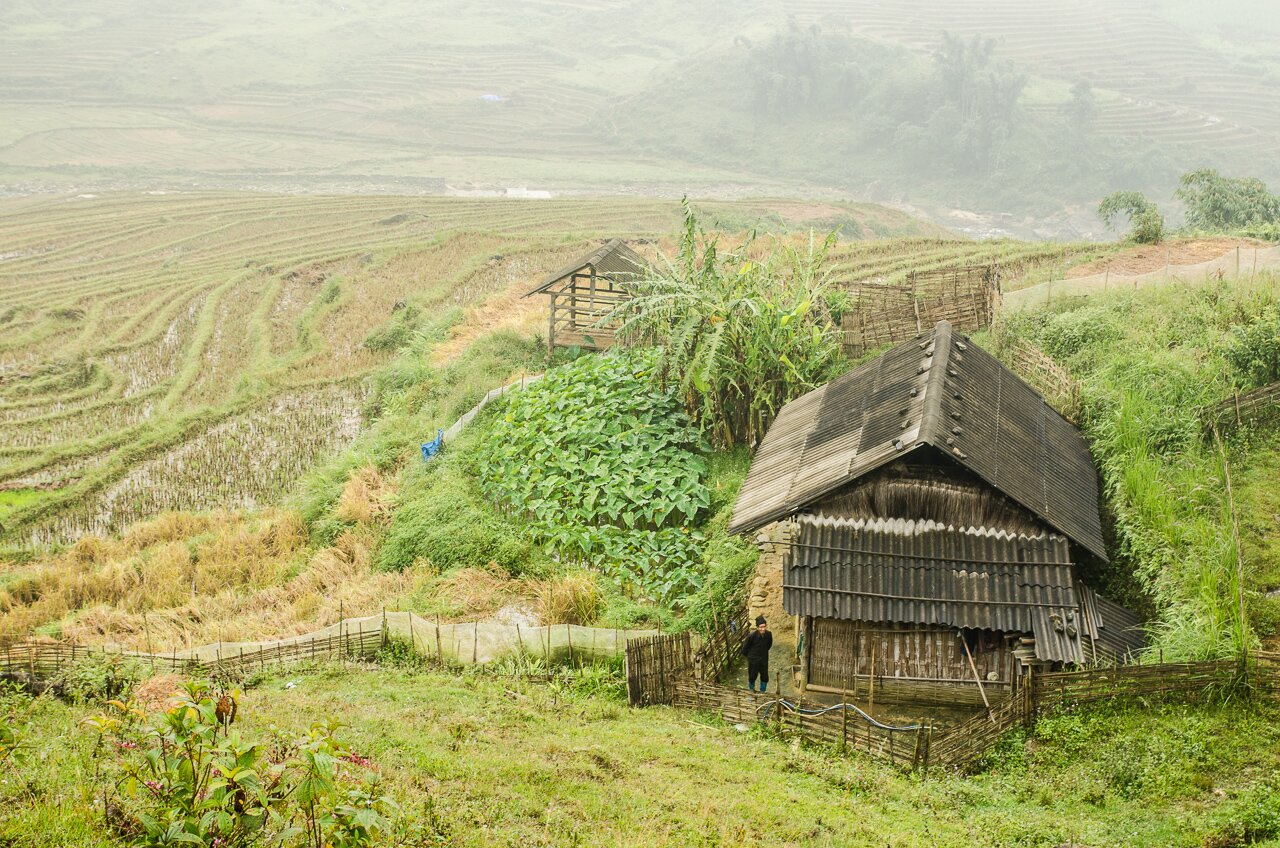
<point x="977" y="677"/>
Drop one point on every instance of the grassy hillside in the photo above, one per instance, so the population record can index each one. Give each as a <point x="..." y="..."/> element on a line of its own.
<point x="474" y="760"/>
<point x="616" y="95"/>
<point x="1151" y="364"/>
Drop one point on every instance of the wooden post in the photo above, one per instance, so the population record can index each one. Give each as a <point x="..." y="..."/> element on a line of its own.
<point x="976" y="676"/>
<point x="551" y="326"/>
<point x="777" y="705"/>
<point x="439" y="648"/>
<point x="871" y="685"/>
<point x="146" y="625"/>
<point x="844" y="721"/>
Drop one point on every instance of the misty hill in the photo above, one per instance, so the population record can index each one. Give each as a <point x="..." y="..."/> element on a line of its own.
<point x="1027" y="109"/>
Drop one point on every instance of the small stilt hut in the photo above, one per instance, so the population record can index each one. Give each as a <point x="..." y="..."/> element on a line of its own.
<point x="938" y="517"/>
<point x="584" y="292"/>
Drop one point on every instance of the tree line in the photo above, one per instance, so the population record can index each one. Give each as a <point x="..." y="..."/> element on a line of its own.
<point x="1214" y="203"/>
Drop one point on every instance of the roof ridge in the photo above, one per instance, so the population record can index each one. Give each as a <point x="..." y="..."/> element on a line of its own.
<point x="939" y="355"/>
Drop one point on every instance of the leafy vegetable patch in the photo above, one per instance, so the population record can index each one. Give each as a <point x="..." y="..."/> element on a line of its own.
<point x="607" y="468"/>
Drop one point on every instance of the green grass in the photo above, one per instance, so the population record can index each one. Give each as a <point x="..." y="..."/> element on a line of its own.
<point x="1150" y="362"/>
<point x="481" y="761"/>
<point x="15" y="499"/>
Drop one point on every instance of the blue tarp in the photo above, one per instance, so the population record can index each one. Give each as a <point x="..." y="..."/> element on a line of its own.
<point x="431" y="448"/>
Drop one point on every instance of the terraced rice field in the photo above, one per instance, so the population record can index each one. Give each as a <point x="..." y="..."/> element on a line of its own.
<point x="186" y="351"/>
<point x="1156" y="79"/>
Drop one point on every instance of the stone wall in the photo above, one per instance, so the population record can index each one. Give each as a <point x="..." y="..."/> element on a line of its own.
<point x="765" y="599"/>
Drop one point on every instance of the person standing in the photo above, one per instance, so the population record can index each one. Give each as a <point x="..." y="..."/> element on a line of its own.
<point x="756" y="650"/>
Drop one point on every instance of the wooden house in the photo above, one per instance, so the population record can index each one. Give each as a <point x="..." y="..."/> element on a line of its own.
<point x="937" y="517"/>
<point x="584" y="292"/>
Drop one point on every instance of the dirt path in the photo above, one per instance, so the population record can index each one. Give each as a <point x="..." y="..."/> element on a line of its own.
<point x="1145" y="258"/>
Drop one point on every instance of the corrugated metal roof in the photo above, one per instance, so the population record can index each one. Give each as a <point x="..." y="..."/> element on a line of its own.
<point x="895" y="570"/>
<point x="1117" y="632"/>
<point x="939" y="390"/>
<point x="612" y="259"/>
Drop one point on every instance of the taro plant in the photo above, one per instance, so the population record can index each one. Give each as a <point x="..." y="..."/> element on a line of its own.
<point x="189" y="778"/>
<point x="605" y="465"/>
<point x="739" y="334"/>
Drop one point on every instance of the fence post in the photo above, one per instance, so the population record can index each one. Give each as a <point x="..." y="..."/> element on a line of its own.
<point x="844" y="721"/>
<point x="777" y="704"/>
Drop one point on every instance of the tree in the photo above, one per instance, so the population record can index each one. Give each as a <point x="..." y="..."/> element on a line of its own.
<point x="1082" y="110"/>
<point x="1221" y="204"/>
<point x="979" y="100"/>
<point x="739" y="335"/>
<point x="1146" y="224"/>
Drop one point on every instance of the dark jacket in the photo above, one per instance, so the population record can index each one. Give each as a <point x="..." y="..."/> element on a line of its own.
<point x="757" y="646"/>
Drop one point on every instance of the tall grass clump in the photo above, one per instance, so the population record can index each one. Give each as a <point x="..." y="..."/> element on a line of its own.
<point x="740" y="332"/>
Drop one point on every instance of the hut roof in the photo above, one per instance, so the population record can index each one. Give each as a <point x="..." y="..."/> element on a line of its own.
<point x="612" y="259"/>
<point x="938" y="392"/>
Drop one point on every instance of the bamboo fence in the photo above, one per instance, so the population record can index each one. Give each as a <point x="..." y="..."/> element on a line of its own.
<point x="36" y="661"/>
<point x="691" y="685"/>
<point x="1158" y="681"/>
<point x="1240" y="409"/>
<point x="350" y="639"/>
<point x="840" y="725"/>
<point x="1048" y="377"/>
<point x="883" y="313"/>
<point x="654" y="664"/>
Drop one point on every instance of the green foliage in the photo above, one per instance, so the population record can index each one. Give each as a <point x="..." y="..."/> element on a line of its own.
<point x="738" y="337"/>
<point x="605" y="466"/>
<point x="11" y="739"/>
<point x="1067" y="334"/>
<point x="396" y="334"/>
<point x="730" y="561"/>
<point x="1253" y="349"/>
<point x="188" y="778"/>
<point x="97" y="678"/>
<point x="441" y="518"/>
<point x="1146" y="224"/>
<point x="399" y="653"/>
<point x="1222" y="204"/>
<point x="1250" y="818"/>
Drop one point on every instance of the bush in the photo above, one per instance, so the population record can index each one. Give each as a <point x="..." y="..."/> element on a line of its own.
<point x="187" y="777"/>
<point x="1223" y="204"/>
<point x="1146" y="224"/>
<point x="1253" y="350"/>
<point x="1068" y="333"/>
<point x="97" y="679"/>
